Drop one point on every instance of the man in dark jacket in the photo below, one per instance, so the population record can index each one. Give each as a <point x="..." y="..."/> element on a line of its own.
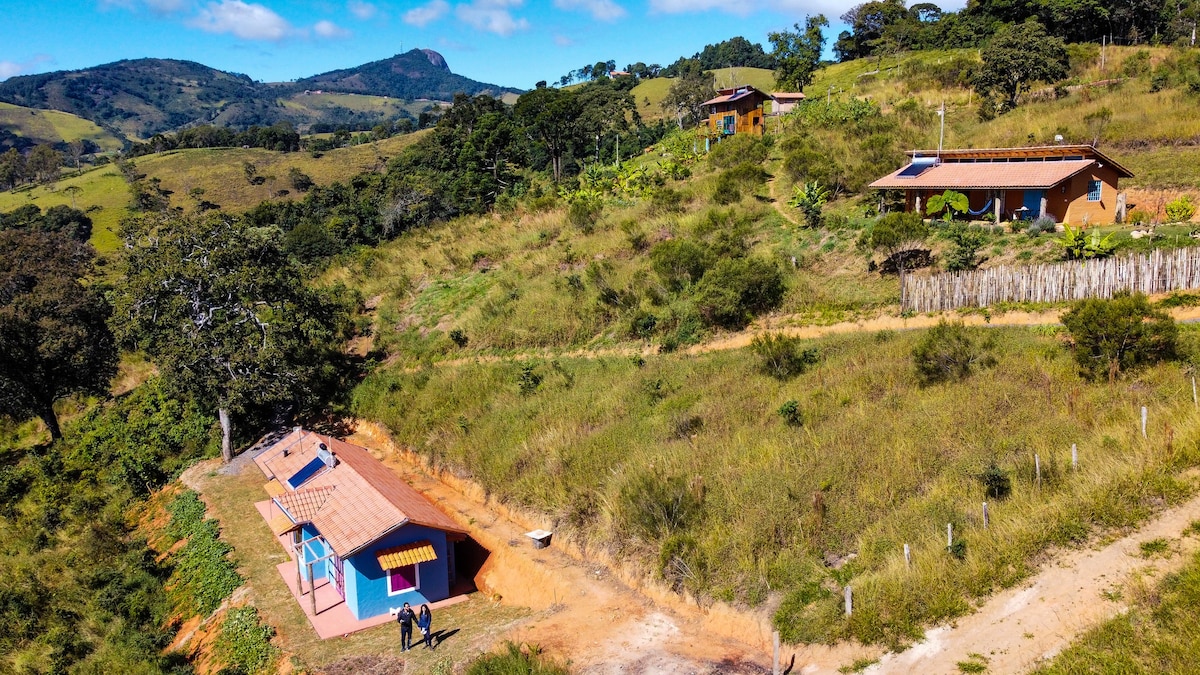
<point x="406" y="616"/>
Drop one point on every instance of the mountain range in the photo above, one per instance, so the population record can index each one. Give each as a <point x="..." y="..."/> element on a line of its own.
<point x="135" y="99"/>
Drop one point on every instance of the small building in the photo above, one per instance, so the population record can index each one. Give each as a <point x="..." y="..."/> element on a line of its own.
<point x="782" y="102"/>
<point x="1069" y="183"/>
<point x="737" y="110"/>
<point x="356" y="524"/>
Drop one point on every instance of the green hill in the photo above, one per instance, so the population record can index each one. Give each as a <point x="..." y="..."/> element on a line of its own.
<point x="21" y="127"/>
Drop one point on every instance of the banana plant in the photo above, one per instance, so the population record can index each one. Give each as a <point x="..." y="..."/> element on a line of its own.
<point x="1079" y="244"/>
<point x="810" y="198"/>
<point x="950" y="202"/>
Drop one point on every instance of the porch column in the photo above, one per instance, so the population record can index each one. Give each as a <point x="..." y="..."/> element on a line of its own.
<point x="997" y="201"/>
<point x="918" y="203"/>
<point x="1042" y="206"/>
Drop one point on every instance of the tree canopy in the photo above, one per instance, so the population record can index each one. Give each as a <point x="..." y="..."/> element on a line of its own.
<point x="1118" y="335"/>
<point x="1017" y="57"/>
<point x="54" y="339"/>
<point x="798" y="52"/>
<point x="226" y="314"/>
<point x="685" y="100"/>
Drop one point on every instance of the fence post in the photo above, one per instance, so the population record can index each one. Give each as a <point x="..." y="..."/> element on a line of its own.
<point x="1143" y="421"/>
<point x="949" y="535"/>
<point x="986" y="521"/>
<point x="775" y="661"/>
<point x="849" y="601"/>
<point x="1037" y="468"/>
<point x="1074" y="458"/>
<point x="907" y="556"/>
<point x="1195" y="401"/>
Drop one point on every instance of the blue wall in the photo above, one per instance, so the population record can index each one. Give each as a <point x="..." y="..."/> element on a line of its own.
<point x="367" y="584"/>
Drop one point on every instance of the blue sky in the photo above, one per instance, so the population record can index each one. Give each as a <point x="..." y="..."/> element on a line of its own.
<point x="507" y="42"/>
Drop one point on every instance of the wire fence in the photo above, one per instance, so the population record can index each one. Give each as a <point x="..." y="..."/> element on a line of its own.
<point x="1156" y="272"/>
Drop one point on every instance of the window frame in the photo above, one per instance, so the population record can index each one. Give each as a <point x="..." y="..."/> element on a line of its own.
<point x="416" y="580"/>
<point x="1099" y="190"/>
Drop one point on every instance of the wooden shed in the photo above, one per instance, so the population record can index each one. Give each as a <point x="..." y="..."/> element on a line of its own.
<point x="737" y="110"/>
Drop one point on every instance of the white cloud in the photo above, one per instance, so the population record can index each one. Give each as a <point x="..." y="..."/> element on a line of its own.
<point x="603" y="10"/>
<point x="831" y="8"/>
<point x="426" y="14"/>
<point x="563" y="41"/>
<point x="492" y="16"/>
<point x="362" y="10"/>
<point x="12" y="68"/>
<point x="244" y="20"/>
<point x="330" y="30"/>
<point x="156" y="6"/>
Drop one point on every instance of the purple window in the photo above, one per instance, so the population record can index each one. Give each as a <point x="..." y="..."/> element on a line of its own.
<point x="403" y="579"/>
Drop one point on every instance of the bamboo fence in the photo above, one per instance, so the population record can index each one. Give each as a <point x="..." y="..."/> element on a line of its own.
<point x="1157" y="272"/>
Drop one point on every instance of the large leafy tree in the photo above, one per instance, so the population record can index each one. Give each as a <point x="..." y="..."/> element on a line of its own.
<point x="1111" y="336"/>
<point x="1017" y="57"/>
<point x="685" y="100"/>
<point x="226" y="314"/>
<point x="550" y="118"/>
<point x="798" y="52"/>
<point x="54" y="339"/>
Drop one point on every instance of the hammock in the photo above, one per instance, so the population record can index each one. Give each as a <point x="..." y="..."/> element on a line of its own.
<point x="986" y="207"/>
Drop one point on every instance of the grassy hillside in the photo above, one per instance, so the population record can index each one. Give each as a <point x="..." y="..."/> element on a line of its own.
<point x="102" y="193"/>
<point x="52" y="126"/>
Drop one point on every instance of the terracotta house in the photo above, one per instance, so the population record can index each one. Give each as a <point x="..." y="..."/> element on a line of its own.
<point x="737" y="110"/>
<point x="357" y="524"/>
<point x="1074" y="184"/>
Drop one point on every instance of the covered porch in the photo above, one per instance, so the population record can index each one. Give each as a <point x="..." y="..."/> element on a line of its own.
<point x="997" y="205"/>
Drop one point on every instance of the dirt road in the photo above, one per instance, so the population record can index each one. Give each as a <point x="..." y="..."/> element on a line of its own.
<point x="584" y="614"/>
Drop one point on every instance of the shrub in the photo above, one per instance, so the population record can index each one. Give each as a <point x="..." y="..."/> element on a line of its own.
<point x="654" y="506"/>
<point x="583" y="213"/>
<point x="782" y="357"/>
<point x="731" y="183"/>
<point x="948" y="351"/>
<point x="245" y="642"/>
<point x="1121" y="334"/>
<point x="810" y="198"/>
<point x="642" y="323"/>
<point x="514" y="661"/>
<point x="806" y="614"/>
<point x="683" y="563"/>
<point x="996" y="483"/>
<point x="205" y="573"/>
<point x="528" y="380"/>
<point x="791" y="413"/>
<point x="458" y="337"/>
<point x="678" y="262"/>
<point x="1080" y="245"/>
<point x="1181" y="210"/>
<point x="1138" y="217"/>
<point x="736" y="150"/>
<point x="734" y="290"/>
<point x="966" y="240"/>
<point x="1040" y="225"/>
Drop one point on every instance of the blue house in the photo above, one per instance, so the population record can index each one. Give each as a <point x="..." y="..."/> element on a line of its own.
<point x="354" y="522"/>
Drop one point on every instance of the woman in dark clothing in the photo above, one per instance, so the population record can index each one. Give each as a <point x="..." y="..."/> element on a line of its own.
<point x="425" y="623"/>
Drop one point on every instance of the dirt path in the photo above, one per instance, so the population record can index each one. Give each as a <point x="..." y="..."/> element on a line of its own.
<point x="779" y="205"/>
<point x="584" y="614"/>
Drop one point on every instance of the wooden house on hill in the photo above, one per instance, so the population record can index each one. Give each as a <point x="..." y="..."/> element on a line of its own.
<point x="783" y="102"/>
<point x="737" y="110"/>
<point x="1069" y="183"/>
<point x="355" y="524"/>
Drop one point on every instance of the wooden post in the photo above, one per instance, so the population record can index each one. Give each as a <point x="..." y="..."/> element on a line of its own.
<point x="949" y="535"/>
<point x="986" y="522"/>
<point x="1037" y="468"/>
<point x="1074" y="457"/>
<point x="849" y="601"/>
<point x="1195" y="401"/>
<point x="775" y="660"/>
<point x="907" y="556"/>
<point x="1143" y="421"/>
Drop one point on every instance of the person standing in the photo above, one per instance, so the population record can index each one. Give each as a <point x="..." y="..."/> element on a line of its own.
<point x="425" y="623"/>
<point x="405" y="616"/>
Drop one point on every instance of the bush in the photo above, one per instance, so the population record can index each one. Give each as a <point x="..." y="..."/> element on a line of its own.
<point x="528" y="380"/>
<point x="205" y="573"/>
<point x="653" y="506"/>
<point x="1117" y="335"/>
<point x="734" y="290"/>
<point x="583" y="213"/>
<point x="966" y="240"/>
<point x="782" y="357"/>
<point x="458" y="337"/>
<point x="513" y="661"/>
<point x="791" y="413"/>
<point x="948" y="351"/>
<point x="996" y="483"/>
<point x="1040" y="225"/>
<point x="1181" y="210"/>
<point x="731" y="183"/>
<point x="737" y="150"/>
<point x="245" y="642"/>
<point x="678" y="262"/>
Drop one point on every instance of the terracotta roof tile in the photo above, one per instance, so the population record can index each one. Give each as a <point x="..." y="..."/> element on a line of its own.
<point x="354" y="503"/>
<point x="978" y="175"/>
<point x="408" y="554"/>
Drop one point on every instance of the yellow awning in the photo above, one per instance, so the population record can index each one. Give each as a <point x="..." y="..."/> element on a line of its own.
<point x="408" y="554"/>
<point x="281" y="524"/>
<point x="274" y="488"/>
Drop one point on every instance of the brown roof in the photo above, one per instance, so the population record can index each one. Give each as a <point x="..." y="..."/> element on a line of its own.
<point x="1033" y="152"/>
<point x="735" y="94"/>
<point x="787" y="95"/>
<point x="352" y="504"/>
<point x="996" y="175"/>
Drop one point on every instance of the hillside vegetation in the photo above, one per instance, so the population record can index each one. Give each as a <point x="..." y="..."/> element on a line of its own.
<point x="20" y="127"/>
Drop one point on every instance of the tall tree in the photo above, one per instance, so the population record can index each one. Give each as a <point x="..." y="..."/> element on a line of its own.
<point x="685" y="100"/>
<point x="551" y="117"/>
<point x="54" y="339"/>
<point x="797" y="53"/>
<point x="225" y="314"/>
<point x="44" y="162"/>
<point x="12" y="168"/>
<point x="1017" y="57"/>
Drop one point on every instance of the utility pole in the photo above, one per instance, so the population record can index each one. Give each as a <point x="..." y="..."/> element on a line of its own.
<point x="1103" y="43"/>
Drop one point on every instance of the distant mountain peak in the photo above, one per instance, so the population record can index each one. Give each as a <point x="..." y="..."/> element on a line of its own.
<point x="435" y="58"/>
